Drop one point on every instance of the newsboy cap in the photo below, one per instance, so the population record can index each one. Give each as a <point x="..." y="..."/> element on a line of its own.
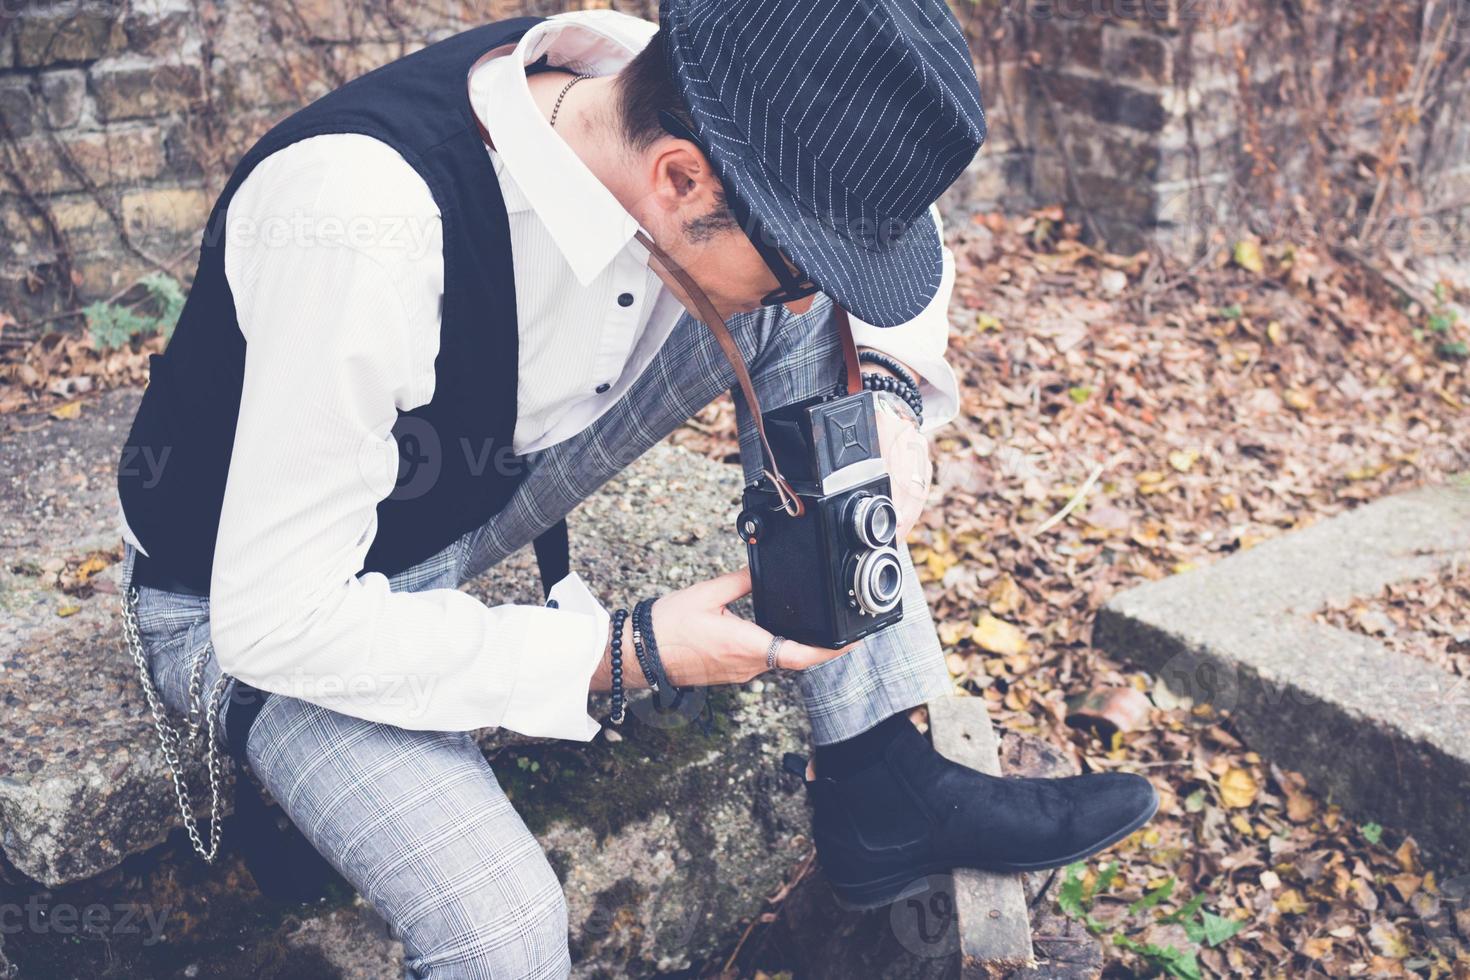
<point x="833" y="125"/>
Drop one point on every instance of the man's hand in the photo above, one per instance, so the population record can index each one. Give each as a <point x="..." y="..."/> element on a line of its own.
<point x="702" y="643"/>
<point x="906" y="456"/>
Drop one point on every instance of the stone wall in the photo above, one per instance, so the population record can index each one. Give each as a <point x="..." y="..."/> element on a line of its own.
<point x="120" y="120"/>
<point x="1182" y="121"/>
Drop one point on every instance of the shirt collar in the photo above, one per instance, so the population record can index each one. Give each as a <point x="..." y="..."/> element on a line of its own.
<point x="583" y="217"/>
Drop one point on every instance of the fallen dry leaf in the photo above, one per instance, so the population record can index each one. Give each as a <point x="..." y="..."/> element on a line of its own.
<point x="1248" y="256"/>
<point x="1238" y="788"/>
<point x="998" y="636"/>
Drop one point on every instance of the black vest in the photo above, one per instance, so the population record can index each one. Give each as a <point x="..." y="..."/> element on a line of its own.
<point x="457" y="467"/>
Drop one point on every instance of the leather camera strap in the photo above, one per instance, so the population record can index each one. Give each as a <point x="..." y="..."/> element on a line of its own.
<point x="716" y="324"/>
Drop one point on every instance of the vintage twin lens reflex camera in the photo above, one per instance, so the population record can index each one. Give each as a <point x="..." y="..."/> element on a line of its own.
<point x="831" y="576"/>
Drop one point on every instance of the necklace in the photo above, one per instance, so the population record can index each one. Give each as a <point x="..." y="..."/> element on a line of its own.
<point x="560" y="98"/>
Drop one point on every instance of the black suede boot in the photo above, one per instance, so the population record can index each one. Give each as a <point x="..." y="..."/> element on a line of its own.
<point x="913" y="812"/>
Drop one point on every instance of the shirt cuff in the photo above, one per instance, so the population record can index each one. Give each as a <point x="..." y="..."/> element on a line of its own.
<point x="550" y="696"/>
<point x="938" y="387"/>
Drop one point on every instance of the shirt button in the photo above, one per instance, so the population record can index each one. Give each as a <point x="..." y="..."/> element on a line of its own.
<point x="625" y="300"/>
<point x="602" y="388"/>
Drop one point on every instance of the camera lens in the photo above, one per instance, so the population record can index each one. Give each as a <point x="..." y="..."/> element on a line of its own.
<point x="873" y="520"/>
<point x="878" y="581"/>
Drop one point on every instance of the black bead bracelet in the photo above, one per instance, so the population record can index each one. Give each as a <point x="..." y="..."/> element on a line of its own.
<point x="618" y="700"/>
<point x="665" y="694"/>
<point x="893" y="386"/>
<point x="884" y="361"/>
<point x="900" y="381"/>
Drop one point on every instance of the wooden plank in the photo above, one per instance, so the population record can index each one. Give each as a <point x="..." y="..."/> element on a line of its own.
<point x="995" y="930"/>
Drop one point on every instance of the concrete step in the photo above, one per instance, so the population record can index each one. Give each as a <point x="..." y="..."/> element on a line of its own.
<point x="1383" y="733"/>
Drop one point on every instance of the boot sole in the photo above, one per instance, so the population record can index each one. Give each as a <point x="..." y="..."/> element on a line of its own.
<point x="880" y="892"/>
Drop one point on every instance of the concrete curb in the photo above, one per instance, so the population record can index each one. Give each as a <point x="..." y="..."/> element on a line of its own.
<point x="1386" y="735"/>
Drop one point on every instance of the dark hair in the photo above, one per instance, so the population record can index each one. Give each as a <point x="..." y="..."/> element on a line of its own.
<point x="646" y="86"/>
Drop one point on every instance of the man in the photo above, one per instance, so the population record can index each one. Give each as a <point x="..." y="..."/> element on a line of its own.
<point x="452" y="256"/>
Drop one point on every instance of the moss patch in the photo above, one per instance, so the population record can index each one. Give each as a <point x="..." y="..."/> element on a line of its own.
<point x="608" y="785"/>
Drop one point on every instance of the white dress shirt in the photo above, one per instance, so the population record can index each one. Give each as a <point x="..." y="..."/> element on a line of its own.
<point x="335" y="259"/>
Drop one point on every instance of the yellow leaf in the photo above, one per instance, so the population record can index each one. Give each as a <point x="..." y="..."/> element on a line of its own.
<point x="1408" y="855"/>
<point x="68" y="610"/>
<point x="1290" y="902"/>
<point x="1248" y="256"/>
<point x="1406" y="885"/>
<point x="1237" y="789"/>
<point x="1241" y="824"/>
<point x="1274" y="333"/>
<point x="985" y="323"/>
<point x="1318" y="947"/>
<point x="1297" y="400"/>
<point x="90" y="567"/>
<point x="951" y="633"/>
<point x="1183" y="460"/>
<point x="940" y="562"/>
<point x="1150" y="476"/>
<point x="1388" y="940"/>
<point x="1004" y="596"/>
<point x="998" y="636"/>
<point x="70" y="410"/>
<point x="1367" y="472"/>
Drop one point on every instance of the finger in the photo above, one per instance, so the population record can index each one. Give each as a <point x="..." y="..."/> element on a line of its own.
<point x="799" y="656"/>
<point x="910" y="505"/>
<point x="725" y="589"/>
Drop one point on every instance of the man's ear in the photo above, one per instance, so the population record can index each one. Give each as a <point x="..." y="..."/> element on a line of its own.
<point x="683" y="180"/>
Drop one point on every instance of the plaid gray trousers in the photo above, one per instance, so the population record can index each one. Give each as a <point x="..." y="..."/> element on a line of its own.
<point x="477" y="898"/>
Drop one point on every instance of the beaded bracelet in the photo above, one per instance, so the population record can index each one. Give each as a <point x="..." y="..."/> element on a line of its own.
<point x="884" y="361"/>
<point x="910" y="398"/>
<point x="665" y="693"/>
<point x="618" y="700"/>
<point x="902" y="382"/>
<point x="640" y="650"/>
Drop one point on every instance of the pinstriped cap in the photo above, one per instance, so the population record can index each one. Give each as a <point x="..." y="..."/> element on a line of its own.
<point x="835" y="123"/>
